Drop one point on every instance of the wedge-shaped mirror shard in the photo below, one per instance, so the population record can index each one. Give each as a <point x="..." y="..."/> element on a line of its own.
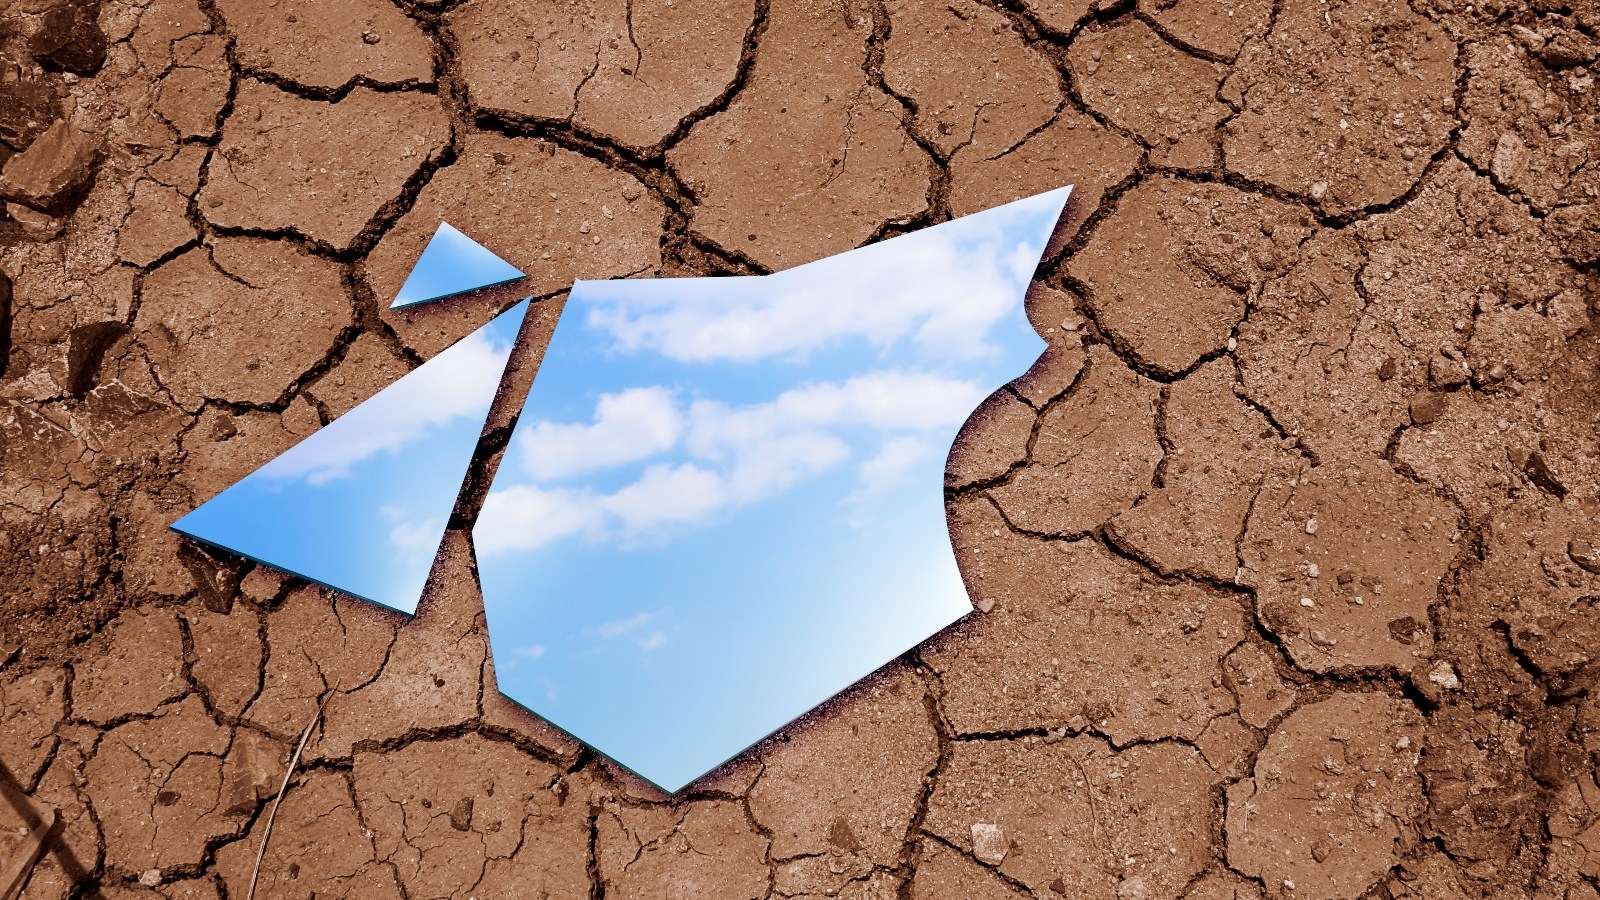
<point x="724" y="500"/>
<point x="452" y="264"/>
<point x="361" y="505"/>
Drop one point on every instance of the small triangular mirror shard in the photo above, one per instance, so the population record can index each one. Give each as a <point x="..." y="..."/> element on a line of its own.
<point x="452" y="264"/>
<point x="361" y="505"/>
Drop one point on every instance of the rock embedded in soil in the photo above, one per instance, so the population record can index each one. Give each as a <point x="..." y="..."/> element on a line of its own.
<point x="989" y="843"/>
<point x="56" y="165"/>
<point x="27" y="107"/>
<point x="943" y="872"/>
<point x="69" y="37"/>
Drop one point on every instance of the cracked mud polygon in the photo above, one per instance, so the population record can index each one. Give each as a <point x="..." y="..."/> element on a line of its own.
<point x="1286" y="552"/>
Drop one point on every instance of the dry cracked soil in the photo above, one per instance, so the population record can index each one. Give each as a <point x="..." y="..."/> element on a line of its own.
<point x="1286" y="551"/>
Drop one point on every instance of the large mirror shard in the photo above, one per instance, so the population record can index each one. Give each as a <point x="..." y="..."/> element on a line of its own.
<point x="452" y="264"/>
<point x="362" y="504"/>
<point x="724" y="500"/>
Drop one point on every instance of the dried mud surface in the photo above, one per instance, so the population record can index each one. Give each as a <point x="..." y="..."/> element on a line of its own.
<point x="1287" y="551"/>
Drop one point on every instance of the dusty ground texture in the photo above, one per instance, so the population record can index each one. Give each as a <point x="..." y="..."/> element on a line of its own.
<point x="1287" y="550"/>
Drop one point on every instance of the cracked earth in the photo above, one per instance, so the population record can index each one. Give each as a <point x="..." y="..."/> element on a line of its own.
<point x="1286" y="551"/>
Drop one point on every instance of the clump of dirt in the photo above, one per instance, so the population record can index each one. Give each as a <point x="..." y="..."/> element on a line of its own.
<point x="1284" y="554"/>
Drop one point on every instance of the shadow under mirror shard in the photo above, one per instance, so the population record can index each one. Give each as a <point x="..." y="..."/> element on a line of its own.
<point x="724" y="500"/>
<point x="452" y="264"/>
<point x="361" y="505"/>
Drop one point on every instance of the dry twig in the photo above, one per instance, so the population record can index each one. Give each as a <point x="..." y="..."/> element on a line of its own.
<point x="294" y="762"/>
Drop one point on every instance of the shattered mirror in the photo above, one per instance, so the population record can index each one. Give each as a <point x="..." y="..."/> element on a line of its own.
<point x="362" y="504"/>
<point x="724" y="500"/>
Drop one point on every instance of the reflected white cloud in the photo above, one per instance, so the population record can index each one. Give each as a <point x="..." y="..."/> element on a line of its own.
<point x="618" y="627"/>
<point x="892" y="463"/>
<point x="627" y="426"/>
<point x="456" y="387"/>
<point x="965" y="283"/>
<point x="732" y="454"/>
<point x="524" y="517"/>
<point x="884" y="400"/>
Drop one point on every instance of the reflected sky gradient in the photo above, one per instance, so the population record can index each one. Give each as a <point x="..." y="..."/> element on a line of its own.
<point x="361" y="505"/>
<point x="723" y="502"/>
<point x="451" y="264"/>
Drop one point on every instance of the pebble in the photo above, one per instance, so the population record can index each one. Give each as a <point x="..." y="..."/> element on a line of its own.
<point x="1311" y="526"/>
<point x="1584" y="552"/>
<point x="989" y="843"/>
<point x="1427" y="407"/>
<point x="1308" y="603"/>
<point x="1444" y="675"/>
<point x="370" y="37"/>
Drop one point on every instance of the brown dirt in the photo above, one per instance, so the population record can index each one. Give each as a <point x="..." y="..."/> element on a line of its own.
<point x="1287" y="550"/>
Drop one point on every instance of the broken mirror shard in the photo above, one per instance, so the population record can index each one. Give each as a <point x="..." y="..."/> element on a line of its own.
<point x="361" y="505"/>
<point x="452" y="264"/>
<point x="724" y="500"/>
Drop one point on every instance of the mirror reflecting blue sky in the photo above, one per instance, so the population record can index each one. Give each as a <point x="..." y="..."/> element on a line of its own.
<point x="362" y="504"/>
<point x="451" y="264"/>
<point x="723" y="502"/>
